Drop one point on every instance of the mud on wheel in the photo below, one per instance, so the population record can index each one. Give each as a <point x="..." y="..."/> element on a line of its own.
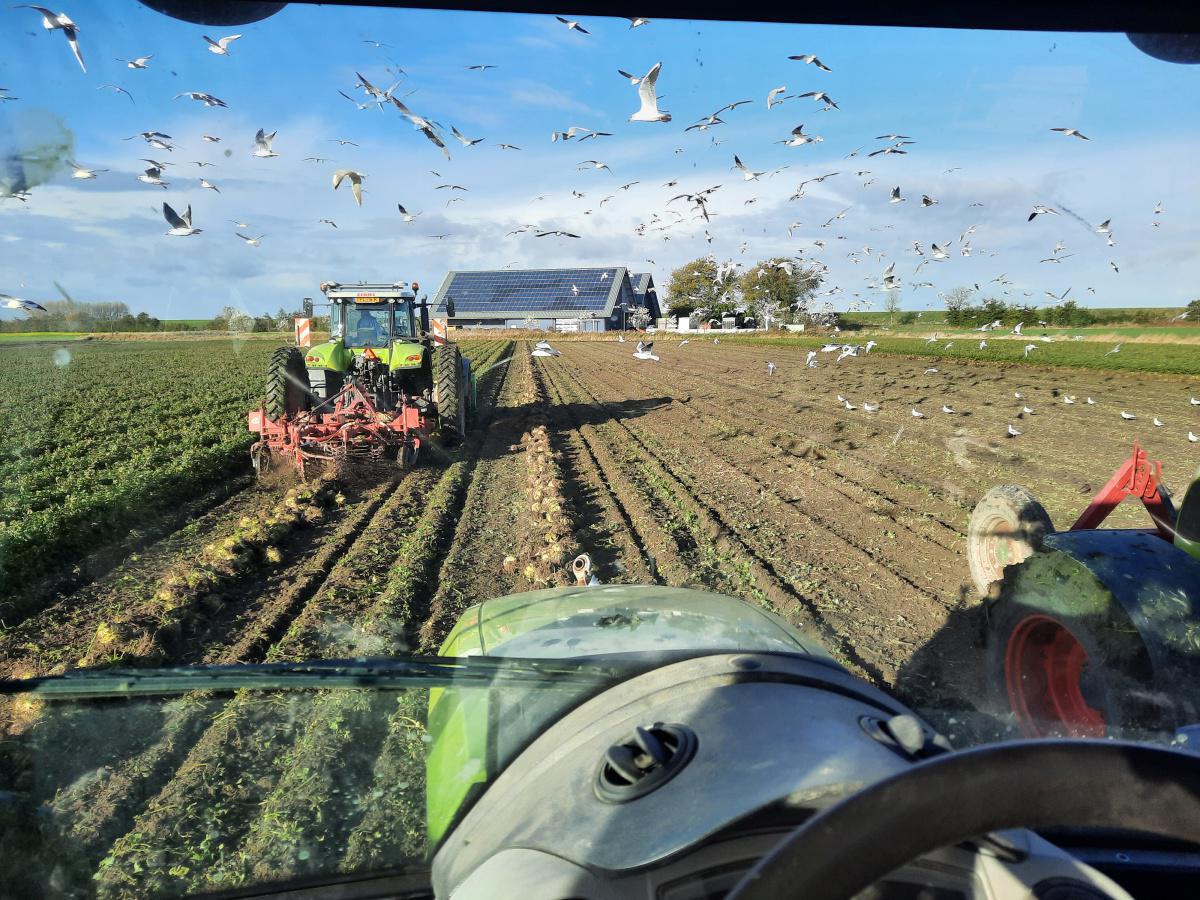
<point x="1007" y="527"/>
<point x="449" y="392"/>
<point x="288" y="391"/>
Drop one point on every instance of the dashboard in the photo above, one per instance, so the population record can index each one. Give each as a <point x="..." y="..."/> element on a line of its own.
<point x="671" y="786"/>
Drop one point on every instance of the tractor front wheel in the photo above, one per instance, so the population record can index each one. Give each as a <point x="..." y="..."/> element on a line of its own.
<point x="1006" y="528"/>
<point x="288" y="390"/>
<point x="449" y="392"/>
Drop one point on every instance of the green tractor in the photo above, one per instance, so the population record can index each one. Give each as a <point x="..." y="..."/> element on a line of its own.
<point x="1092" y="632"/>
<point x="380" y="385"/>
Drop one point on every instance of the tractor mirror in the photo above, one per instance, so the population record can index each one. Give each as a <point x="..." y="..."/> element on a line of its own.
<point x="450" y="307"/>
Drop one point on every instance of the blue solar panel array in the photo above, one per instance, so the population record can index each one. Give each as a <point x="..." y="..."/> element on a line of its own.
<point x="537" y="292"/>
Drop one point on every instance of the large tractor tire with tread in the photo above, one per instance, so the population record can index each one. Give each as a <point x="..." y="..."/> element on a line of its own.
<point x="288" y="391"/>
<point x="1006" y="528"/>
<point x="450" y="392"/>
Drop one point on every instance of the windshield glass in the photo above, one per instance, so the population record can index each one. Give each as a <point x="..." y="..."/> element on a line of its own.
<point x="889" y="335"/>
<point x="368" y="325"/>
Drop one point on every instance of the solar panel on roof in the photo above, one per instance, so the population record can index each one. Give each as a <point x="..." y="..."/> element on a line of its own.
<point x="545" y="291"/>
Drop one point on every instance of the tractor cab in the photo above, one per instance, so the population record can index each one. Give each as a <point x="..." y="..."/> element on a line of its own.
<point x="369" y="320"/>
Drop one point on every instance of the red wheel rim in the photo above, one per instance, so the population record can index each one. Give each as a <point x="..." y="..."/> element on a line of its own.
<point x="1043" y="671"/>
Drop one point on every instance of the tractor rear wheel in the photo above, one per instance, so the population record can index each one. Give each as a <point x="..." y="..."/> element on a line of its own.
<point x="288" y="390"/>
<point x="449" y="391"/>
<point x="1006" y="528"/>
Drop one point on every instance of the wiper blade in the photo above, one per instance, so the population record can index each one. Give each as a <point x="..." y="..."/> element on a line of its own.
<point x="376" y="673"/>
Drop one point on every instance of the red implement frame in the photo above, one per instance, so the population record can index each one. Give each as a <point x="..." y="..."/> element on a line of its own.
<point x="1138" y="477"/>
<point x="345" y="426"/>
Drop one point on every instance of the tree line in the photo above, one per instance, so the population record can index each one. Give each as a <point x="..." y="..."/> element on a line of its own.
<point x="113" y="316"/>
<point x="773" y="291"/>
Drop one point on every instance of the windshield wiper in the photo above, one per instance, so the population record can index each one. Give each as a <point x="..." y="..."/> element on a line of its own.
<point x="378" y="673"/>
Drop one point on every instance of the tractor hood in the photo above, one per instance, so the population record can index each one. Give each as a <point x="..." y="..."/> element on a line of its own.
<point x="336" y="356"/>
<point x="620" y="618"/>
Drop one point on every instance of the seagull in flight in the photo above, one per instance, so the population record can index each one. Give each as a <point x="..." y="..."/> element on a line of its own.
<point x="820" y="97"/>
<point x="355" y="179"/>
<point x="204" y="183"/>
<point x="645" y="350"/>
<point x="220" y="47"/>
<point x="137" y="63"/>
<point x="812" y="61"/>
<point x="153" y="175"/>
<point x="479" y="68"/>
<point x="573" y="25"/>
<point x="649" y="111"/>
<point x="1041" y="210"/>
<point x="262" y="144"/>
<point x="543" y="348"/>
<point x="207" y="99"/>
<point x="896" y="198"/>
<point x="408" y="217"/>
<point x="84" y="173"/>
<point x="465" y="141"/>
<point x="1072" y="132"/>
<point x="10" y="302"/>
<point x="181" y="226"/>
<point x="637" y="21"/>
<point x="327" y="222"/>
<point x="341" y="142"/>
<point x="250" y="242"/>
<point x="553" y="232"/>
<point x="59" y="22"/>
<point x="747" y="174"/>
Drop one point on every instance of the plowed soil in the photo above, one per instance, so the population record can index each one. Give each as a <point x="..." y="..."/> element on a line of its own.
<point x="700" y="469"/>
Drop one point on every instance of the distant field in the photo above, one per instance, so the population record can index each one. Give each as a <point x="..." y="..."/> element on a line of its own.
<point x="1182" y="359"/>
<point x="20" y="336"/>
<point x="190" y="323"/>
<point x="1103" y="315"/>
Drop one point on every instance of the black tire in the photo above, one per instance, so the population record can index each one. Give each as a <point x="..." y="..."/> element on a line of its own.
<point x="288" y="390"/>
<point x="448" y="392"/>
<point x="1006" y="528"/>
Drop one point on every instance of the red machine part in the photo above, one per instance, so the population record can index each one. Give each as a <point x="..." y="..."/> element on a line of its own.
<point x="1138" y="477"/>
<point x="345" y="426"/>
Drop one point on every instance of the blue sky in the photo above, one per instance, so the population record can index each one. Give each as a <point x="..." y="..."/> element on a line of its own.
<point x="980" y="103"/>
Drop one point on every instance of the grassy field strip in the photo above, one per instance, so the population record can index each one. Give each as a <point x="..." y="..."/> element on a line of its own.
<point x="1167" y="359"/>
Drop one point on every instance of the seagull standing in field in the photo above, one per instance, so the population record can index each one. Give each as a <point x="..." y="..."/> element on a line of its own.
<point x="917" y="414"/>
<point x="649" y="111"/>
<point x="645" y="350"/>
<point x="810" y="360"/>
<point x="1158" y="423"/>
<point x="181" y="226"/>
<point x="573" y="26"/>
<point x="1072" y="132"/>
<point x="355" y="179"/>
<point x="870" y="407"/>
<point x="1127" y="416"/>
<point x="1012" y="432"/>
<point x="262" y="144"/>
<point x="221" y="46"/>
<point x="771" y="367"/>
<point x="59" y="22"/>
<point x="1193" y="438"/>
<point x="543" y="348"/>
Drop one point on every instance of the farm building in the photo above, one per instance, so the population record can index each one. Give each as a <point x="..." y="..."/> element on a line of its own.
<point x="546" y="299"/>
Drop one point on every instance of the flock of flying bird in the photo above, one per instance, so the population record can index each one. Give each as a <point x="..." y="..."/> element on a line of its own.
<point x="647" y="111"/>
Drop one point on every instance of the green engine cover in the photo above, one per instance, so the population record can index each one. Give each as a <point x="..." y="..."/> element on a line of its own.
<point x="337" y="357"/>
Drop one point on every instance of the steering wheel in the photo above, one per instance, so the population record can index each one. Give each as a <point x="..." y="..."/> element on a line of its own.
<point x="958" y="796"/>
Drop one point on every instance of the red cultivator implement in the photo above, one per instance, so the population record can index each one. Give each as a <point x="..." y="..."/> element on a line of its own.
<point x="346" y="426"/>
